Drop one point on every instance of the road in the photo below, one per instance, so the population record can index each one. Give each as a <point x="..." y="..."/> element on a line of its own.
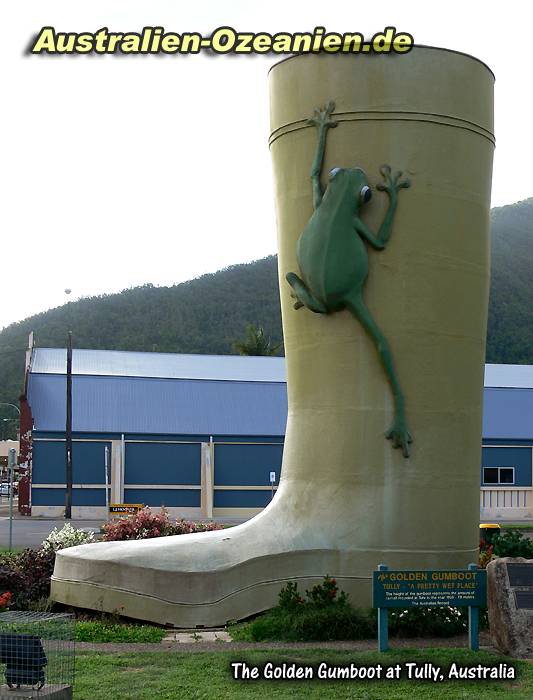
<point x="30" y="532"/>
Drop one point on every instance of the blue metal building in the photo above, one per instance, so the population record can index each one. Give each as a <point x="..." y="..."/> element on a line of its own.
<point x="507" y="459"/>
<point x="198" y="434"/>
<point x="201" y="434"/>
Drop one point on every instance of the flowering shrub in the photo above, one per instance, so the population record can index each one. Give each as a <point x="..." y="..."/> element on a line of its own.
<point x="68" y="536"/>
<point x="321" y="595"/>
<point x="145" y="525"/>
<point x="289" y="598"/>
<point x="325" y="593"/>
<point x="5" y="599"/>
<point x="485" y="556"/>
<point x="435" y="622"/>
<point x="27" y="576"/>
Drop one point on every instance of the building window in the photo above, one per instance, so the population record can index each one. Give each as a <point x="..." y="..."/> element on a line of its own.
<point x="503" y="476"/>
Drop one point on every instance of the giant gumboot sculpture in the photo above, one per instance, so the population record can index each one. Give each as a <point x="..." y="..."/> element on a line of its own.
<point x="360" y="367"/>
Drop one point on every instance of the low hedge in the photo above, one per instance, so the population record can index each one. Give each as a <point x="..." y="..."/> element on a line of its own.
<point x="325" y="614"/>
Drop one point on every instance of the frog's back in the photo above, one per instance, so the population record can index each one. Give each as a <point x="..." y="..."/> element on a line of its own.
<point x="332" y="257"/>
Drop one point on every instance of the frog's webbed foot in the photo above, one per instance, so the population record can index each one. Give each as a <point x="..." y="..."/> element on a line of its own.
<point x="321" y="117"/>
<point x="392" y="183"/>
<point x="400" y="436"/>
<point x="303" y="295"/>
<point x="298" y="304"/>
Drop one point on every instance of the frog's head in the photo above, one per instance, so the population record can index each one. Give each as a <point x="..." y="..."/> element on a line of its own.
<point x="350" y="181"/>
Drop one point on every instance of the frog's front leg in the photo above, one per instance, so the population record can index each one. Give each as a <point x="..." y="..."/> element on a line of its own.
<point x="322" y="120"/>
<point x="303" y="295"/>
<point x="392" y="185"/>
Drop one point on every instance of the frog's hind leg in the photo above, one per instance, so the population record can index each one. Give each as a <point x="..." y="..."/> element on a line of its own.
<point x="398" y="432"/>
<point x="303" y="296"/>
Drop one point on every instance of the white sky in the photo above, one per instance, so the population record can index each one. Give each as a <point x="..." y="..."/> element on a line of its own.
<point x="119" y="171"/>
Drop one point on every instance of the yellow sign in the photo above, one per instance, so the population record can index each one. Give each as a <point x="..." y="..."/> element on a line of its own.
<point x="125" y="508"/>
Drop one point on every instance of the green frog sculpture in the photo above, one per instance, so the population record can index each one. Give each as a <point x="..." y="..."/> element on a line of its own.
<point x="333" y="258"/>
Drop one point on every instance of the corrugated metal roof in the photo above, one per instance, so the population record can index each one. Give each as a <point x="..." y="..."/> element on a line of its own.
<point x="512" y="376"/>
<point x="161" y="406"/>
<point x="117" y="363"/>
<point x="134" y="392"/>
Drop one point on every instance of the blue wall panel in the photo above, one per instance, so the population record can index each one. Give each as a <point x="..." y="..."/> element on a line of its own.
<point x="517" y="457"/>
<point x="241" y="499"/>
<point x="56" y="497"/>
<point x="163" y="497"/>
<point x="88" y="459"/>
<point x="247" y="465"/>
<point x="153" y="463"/>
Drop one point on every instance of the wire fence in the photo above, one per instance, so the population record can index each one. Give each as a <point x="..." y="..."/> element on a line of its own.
<point x="37" y="655"/>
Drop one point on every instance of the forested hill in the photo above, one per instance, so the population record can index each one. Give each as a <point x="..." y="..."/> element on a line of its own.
<point x="206" y="315"/>
<point x="510" y="331"/>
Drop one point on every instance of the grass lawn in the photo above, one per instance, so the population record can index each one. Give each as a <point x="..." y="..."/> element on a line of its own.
<point x="207" y="675"/>
<point x="98" y="632"/>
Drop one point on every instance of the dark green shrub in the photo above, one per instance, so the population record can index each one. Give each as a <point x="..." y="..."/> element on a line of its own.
<point x="332" y="622"/>
<point x="289" y="598"/>
<point x="308" y="624"/>
<point x="26" y="576"/>
<point x="326" y="615"/>
<point x="512" y="543"/>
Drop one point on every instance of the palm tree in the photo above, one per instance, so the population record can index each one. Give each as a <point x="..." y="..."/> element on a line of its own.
<point x="256" y="342"/>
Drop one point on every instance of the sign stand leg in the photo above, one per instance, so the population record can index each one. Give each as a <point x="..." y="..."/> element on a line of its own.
<point x="473" y="621"/>
<point x="473" y="628"/>
<point x="383" y="621"/>
<point x="408" y="588"/>
<point x="383" y="629"/>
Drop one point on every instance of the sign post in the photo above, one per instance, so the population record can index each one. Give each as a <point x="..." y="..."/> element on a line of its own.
<point x="383" y="621"/>
<point x="12" y="461"/>
<point x="272" y="482"/>
<point x="106" y="466"/>
<point x="429" y="589"/>
<point x="473" y="618"/>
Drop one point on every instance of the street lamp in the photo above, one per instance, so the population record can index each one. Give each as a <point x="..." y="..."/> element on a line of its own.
<point x="12" y="406"/>
<point x="17" y="409"/>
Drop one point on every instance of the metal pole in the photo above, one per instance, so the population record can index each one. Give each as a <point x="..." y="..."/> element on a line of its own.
<point x="122" y="467"/>
<point x="107" y="480"/>
<point x="11" y="462"/>
<point x="473" y="620"/>
<point x="68" y="433"/>
<point x="383" y="621"/>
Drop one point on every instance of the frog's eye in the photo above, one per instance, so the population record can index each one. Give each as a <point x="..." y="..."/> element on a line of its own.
<point x="333" y="172"/>
<point x="366" y="194"/>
